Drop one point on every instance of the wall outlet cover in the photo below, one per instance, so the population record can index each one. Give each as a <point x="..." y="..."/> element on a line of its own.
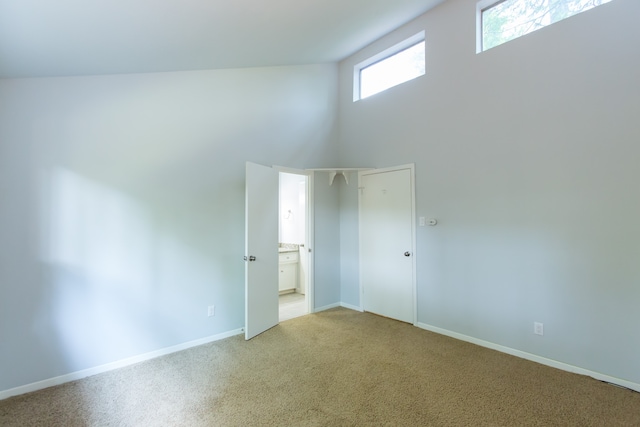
<point x="538" y="328"/>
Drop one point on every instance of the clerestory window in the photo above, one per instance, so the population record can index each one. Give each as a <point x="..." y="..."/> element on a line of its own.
<point x="398" y="64"/>
<point x="505" y="20"/>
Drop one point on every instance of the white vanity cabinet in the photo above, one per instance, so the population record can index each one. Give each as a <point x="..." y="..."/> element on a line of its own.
<point x="288" y="271"/>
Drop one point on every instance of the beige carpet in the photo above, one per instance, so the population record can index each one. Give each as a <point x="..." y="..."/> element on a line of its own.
<point x="336" y="368"/>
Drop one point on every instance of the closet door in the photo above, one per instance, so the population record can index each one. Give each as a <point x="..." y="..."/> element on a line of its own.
<point x="387" y="268"/>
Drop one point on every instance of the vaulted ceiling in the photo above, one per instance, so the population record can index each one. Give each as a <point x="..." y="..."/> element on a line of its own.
<point x="86" y="37"/>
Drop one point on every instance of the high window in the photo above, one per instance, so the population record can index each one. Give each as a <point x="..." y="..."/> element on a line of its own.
<point x="502" y="21"/>
<point x="398" y="64"/>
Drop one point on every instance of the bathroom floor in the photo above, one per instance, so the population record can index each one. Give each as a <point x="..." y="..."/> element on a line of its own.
<point x="292" y="305"/>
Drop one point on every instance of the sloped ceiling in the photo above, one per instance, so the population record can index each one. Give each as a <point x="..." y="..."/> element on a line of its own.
<point x="85" y="37"/>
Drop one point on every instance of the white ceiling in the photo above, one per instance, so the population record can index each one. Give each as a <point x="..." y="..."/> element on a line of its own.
<point x="85" y="37"/>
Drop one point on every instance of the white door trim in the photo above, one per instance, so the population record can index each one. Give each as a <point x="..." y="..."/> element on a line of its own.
<point x="411" y="167"/>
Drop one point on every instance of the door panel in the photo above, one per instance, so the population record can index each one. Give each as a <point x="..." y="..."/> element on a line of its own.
<point x="386" y="243"/>
<point x="261" y="249"/>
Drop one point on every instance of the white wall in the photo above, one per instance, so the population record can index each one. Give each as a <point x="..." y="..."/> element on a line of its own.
<point x="528" y="156"/>
<point x="326" y="223"/>
<point x="122" y="205"/>
<point x="349" y="239"/>
<point x="292" y="208"/>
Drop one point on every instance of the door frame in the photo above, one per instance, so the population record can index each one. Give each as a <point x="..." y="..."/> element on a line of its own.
<point x="309" y="236"/>
<point x="411" y="167"/>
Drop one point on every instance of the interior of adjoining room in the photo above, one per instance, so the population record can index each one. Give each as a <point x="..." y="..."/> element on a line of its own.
<point x="293" y="253"/>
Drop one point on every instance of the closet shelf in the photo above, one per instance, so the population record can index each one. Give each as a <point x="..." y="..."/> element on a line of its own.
<point x="338" y="171"/>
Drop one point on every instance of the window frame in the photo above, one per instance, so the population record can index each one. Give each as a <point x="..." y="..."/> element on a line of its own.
<point x="381" y="56"/>
<point x="481" y="6"/>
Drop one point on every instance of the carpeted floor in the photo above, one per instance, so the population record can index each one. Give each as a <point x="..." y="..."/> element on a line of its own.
<point x="335" y="368"/>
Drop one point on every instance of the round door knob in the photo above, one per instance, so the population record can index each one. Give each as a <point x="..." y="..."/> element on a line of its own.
<point x="407" y="253"/>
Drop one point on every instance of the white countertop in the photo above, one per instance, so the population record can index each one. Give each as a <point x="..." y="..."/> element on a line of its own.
<point x="280" y="250"/>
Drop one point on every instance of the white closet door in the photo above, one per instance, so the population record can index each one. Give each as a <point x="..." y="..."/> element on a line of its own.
<point x="387" y="244"/>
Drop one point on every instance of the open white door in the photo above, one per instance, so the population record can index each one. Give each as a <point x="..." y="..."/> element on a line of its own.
<point x="261" y="249"/>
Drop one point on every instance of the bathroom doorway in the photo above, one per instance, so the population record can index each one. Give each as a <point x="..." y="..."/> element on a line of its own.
<point x="294" y="278"/>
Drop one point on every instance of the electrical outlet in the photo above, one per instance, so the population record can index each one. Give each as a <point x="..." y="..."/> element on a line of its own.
<point x="211" y="311"/>
<point x="538" y="328"/>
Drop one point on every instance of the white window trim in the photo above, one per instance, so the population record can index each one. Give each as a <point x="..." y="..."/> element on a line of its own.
<point x="405" y="44"/>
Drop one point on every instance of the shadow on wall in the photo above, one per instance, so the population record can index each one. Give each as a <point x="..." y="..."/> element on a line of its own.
<point x="115" y="275"/>
<point x="97" y="246"/>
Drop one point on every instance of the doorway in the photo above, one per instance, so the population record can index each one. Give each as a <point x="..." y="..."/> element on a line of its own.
<point x="387" y="244"/>
<point x="263" y="244"/>
<point x="293" y="245"/>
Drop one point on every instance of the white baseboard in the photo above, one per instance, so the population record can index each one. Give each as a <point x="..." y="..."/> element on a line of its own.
<point x="338" y="304"/>
<point x="532" y="357"/>
<point x="4" y="394"/>
<point x="351" y="307"/>
<point x="327" y="307"/>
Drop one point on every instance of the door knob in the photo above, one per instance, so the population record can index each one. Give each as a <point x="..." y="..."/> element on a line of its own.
<point x="407" y="253"/>
<point x="251" y="258"/>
